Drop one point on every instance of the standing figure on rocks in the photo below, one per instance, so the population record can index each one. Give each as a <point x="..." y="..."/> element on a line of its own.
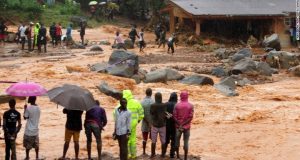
<point x="52" y="32"/>
<point x="122" y="119"/>
<point x="137" y="114"/>
<point x="22" y="31"/>
<point x="133" y="34"/>
<point x="183" y="116"/>
<point x="146" y="123"/>
<point x="11" y="129"/>
<point x="82" y="31"/>
<point x="158" y="116"/>
<point x="157" y="32"/>
<point x="95" y="121"/>
<point x="162" y="38"/>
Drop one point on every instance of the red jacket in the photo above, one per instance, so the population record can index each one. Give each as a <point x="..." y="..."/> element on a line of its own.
<point x="183" y="111"/>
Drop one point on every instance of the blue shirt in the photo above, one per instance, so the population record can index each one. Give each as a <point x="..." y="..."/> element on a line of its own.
<point x="69" y="31"/>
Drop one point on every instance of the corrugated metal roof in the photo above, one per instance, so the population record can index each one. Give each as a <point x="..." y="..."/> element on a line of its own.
<point x="236" y="7"/>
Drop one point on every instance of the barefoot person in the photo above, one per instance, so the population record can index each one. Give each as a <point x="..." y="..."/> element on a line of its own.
<point x="158" y="116"/>
<point x="170" y="125"/>
<point x="183" y="116"/>
<point x="73" y="128"/>
<point x="170" y="43"/>
<point x="82" y="31"/>
<point x="142" y="41"/>
<point x="146" y="123"/>
<point x="95" y="121"/>
<point x="122" y="119"/>
<point x="11" y="129"/>
<point x="31" y="134"/>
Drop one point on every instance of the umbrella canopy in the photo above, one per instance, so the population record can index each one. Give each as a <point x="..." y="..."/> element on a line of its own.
<point x="93" y="3"/>
<point x="72" y="97"/>
<point x="26" y="89"/>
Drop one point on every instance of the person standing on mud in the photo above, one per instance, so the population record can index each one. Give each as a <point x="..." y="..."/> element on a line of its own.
<point x="146" y="123"/>
<point x="52" y="32"/>
<point x="73" y="128"/>
<point x="69" y="35"/>
<point x="119" y="42"/>
<point x="58" y="34"/>
<point x="95" y="121"/>
<point x="171" y="42"/>
<point x="162" y="38"/>
<point x="157" y="32"/>
<point x="36" y="33"/>
<point x="133" y="34"/>
<point x="3" y="29"/>
<point x="10" y="128"/>
<point x="170" y="124"/>
<point x="137" y="114"/>
<point x="31" y="135"/>
<point x="29" y="36"/>
<point x="142" y="41"/>
<point x="22" y="31"/>
<point x="183" y="116"/>
<point x="122" y="119"/>
<point x="82" y="31"/>
<point x="158" y="116"/>
<point x="42" y="39"/>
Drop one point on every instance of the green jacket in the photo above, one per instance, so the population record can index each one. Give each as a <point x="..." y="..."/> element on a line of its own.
<point x="134" y="106"/>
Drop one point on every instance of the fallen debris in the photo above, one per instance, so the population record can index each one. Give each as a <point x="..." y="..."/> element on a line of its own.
<point x="109" y="91"/>
<point x="197" y="80"/>
<point x="227" y="86"/>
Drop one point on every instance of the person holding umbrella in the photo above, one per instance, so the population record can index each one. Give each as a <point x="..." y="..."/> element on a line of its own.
<point x="10" y="128"/>
<point x="31" y="135"/>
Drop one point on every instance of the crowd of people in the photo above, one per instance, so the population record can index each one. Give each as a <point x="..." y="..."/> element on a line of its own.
<point x="168" y="120"/>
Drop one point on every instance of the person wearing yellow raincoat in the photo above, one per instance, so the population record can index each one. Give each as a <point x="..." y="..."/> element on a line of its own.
<point x="137" y="114"/>
<point x="36" y="33"/>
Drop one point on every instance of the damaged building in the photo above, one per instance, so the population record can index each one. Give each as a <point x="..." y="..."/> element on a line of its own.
<point x="234" y="18"/>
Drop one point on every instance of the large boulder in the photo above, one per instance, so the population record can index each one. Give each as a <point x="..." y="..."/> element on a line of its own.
<point x="123" y="63"/>
<point x="264" y="68"/>
<point x="246" y="65"/>
<point x="243" y="53"/>
<point x="163" y="75"/>
<point x="96" y="48"/>
<point x="272" y="42"/>
<point x="109" y="91"/>
<point x="197" y="80"/>
<point x="282" y="59"/>
<point x="219" y="72"/>
<point x="99" y="67"/>
<point x="295" y="70"/>
<point x="128" y="44"/>
<point x="227" y="86"/>
<point x="156" y="76"/>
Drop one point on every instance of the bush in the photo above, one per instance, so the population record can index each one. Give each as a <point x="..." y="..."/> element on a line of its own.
<point x="30" y="7"/>
<point x="68" y="9"/>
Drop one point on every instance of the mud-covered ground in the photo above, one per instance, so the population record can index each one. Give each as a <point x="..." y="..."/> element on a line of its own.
<point x="261" y="123"/>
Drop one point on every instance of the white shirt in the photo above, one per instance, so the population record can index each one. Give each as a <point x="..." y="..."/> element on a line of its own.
<point x="22" y="31"/>
<point x="141" y="36"/>
<point x="32" y="126"/>
<point x="119" y="39"/>
<point x="122" y="121"/>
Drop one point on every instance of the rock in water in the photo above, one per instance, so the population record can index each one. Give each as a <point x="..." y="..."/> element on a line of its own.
<point x="264" y="69"/>
<point x="99" y="67"/>
<point x="104" y="88"/>
<point x="96" y="48"/>
<point x="197" y="80"/>
<point x="156" y="76"/>
<point x="128" y="44"/>
<point x="123" y="63"/>
<point x="227" y="86"/>
<point x="272" y="42"/>
<point x="243" y="53"/>
<point x="219" y="72"/>
<point x="295" y="70"/>
<point x="282" y="59"/>
<point x="246" y="65"/>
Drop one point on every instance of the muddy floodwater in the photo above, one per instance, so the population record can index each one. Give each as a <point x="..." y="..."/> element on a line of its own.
<point x="262" y="123"/>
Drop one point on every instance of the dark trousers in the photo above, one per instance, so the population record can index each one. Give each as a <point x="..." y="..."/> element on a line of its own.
<point x="29" y="44"/>
<point x="10" y="145"/>
<point x="82" y="39"/>
<point x="132" y="40"/>
<point x="186" y="137"/>
<point x="171" y="46"/>
<point x="170" y="138"/>
<point x="123" y="145"/>
<point x="53" y="40"/>
<point x="23" y="39"/>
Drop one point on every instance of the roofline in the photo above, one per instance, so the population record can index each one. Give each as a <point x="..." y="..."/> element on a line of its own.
<point x="240" y="15"/>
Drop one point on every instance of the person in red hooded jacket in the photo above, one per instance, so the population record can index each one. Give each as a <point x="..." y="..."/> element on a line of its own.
<point x="183" y="116"/>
